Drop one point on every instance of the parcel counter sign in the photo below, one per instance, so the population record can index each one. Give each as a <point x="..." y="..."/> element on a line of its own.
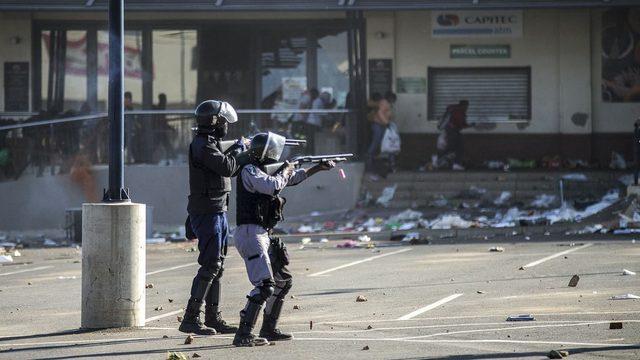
<point x="480" y="51"/>
<point x="476" y="23"/>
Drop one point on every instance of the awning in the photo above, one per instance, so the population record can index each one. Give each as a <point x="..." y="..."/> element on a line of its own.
<point x="302" y="5"/>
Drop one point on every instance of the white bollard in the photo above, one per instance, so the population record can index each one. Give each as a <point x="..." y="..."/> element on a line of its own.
<point x="113" y="265"/>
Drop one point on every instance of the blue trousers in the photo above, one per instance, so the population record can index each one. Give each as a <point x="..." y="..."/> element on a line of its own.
<point x="212" y="231"/>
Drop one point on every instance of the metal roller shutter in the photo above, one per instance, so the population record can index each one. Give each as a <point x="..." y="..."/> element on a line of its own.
<point x="494" y="94"/>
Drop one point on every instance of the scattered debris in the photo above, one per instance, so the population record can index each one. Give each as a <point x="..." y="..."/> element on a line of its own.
<point x="176" y="356"/>
<point x="627" y="272"/>
<point x="521" y="317"/>
<point x="361" y="298"/>
<point x="195" y="355"/>
<point x="165" y="336"/>
<point x="504" y="197"/>
<point x="67" y="277"/>
<point x="158" y="308"/>
<point x="617" y="161"/>
<point x="366" y="347"/>
<point x="387" y="195"/>
<point x="49" y="242"/>
<point x="305" y="240"/>
<point x="179" y="318"/>
<point x="310" y="324"/>
<point x="574" y="281"/>
<point x="188" y="340"/>
<point x="555" y="354"/>
<point x="451" y="221"/>
<point x="615" y="325"/>
<point x="17" y="253"/>
<point x="191" y="249"/>
<point x="29" y="283"/>
<point x="5" y="259"/>
<point x="349" y="244"/>
<point x="364" y="238"/>
<point x="170" y="300"/>
<point x="296" y="307"/>
<point x="369" y="327"/>
<point x="625" y="297"/>
<point x="149" y="286"/>
<point x="480" y="292"/>
<point x="496" y="249"/>
<point x="543" y="201"/>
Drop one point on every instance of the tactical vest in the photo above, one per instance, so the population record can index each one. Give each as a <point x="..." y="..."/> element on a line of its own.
<point x="255" y="208"/>
<point x="209" y="192"/>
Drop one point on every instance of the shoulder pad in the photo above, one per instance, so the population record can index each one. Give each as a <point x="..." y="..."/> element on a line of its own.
<point x="251" y="169"/>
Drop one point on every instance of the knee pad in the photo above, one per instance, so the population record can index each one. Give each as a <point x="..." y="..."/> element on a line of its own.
<point x="283" y="287"/>
<point x="261" y="293"/>
<point x="209" y="272"/>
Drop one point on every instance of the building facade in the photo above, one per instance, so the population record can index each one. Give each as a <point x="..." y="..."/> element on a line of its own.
<point x="543" y="78"/>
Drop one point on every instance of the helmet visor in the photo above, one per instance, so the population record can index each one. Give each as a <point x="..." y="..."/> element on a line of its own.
<point x="274" y="147"/>
<point x="228" y="112"/>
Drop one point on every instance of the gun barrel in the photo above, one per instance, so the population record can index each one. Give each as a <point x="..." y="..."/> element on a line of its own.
<point x="294" y="142"/>
<point x="323" y="157"/>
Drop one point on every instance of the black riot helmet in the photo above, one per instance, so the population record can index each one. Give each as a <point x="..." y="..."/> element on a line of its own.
<point x="209" y="111"/>
<point x="266" y="148"/>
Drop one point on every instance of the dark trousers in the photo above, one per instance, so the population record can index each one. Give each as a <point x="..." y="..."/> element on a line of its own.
<point x="455" y="144"/>
<point x="212" y="231"/>
<point x="377" y="133"/>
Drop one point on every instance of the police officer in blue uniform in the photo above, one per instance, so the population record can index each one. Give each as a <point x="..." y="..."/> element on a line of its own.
<point x="210" y="170"/>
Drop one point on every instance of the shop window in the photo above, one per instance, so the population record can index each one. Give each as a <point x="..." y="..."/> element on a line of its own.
<point x="283" y="60"/>
<point x="64" y="70"/>
<point x="174" y="68"/>
<point x="494" y="94"/>
<point x="333" y="65"/>
<point x="132" y="67"/>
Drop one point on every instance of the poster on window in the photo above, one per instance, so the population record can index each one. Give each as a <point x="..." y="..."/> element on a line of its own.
<point x="292" y="89"/>
<point x="76" y="57"/>
<point x="621" y="55"/>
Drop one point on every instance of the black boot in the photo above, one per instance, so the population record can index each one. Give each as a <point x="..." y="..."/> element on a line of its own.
<point x="269" y="328"/>
<point x="212" y="317"/>
<point x="191" y="322"/>
<point x="248" y="318"/>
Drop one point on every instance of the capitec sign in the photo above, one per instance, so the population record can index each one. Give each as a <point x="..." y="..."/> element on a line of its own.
<point x="476" y="23"/>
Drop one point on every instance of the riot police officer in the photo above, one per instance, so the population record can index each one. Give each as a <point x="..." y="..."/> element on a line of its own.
<point x="209" y="182"/>
<point x="259" y="208"/>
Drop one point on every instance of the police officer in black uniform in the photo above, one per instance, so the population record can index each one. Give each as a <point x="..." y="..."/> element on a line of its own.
<point x="210" y="170"/>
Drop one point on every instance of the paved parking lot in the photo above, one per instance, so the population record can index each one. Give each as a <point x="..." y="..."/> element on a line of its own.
<point x="436" y="301"/>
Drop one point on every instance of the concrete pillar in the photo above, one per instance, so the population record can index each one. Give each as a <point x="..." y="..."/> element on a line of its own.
<point x="113" y="265"/>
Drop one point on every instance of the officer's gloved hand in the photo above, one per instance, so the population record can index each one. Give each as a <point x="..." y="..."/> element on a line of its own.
<point x="288" y="170"/>
<point x="326" y="165"/>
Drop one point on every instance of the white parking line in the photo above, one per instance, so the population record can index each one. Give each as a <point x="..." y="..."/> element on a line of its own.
<point x="26" y="270"/>
<point x="370" y="321"/>
<point x="452" y="341"/>
<point x="429" y="307"/>
<point x="511" y="328"/>
<point x="538" y="262"/>
<point x="358" y="262"/>
<point x="171" y="268"/>
<point x="163" y="315"/>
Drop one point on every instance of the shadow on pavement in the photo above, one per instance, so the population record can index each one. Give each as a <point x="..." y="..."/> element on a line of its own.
<point x="71" y="345"/>
<point x="46" y="335"/>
